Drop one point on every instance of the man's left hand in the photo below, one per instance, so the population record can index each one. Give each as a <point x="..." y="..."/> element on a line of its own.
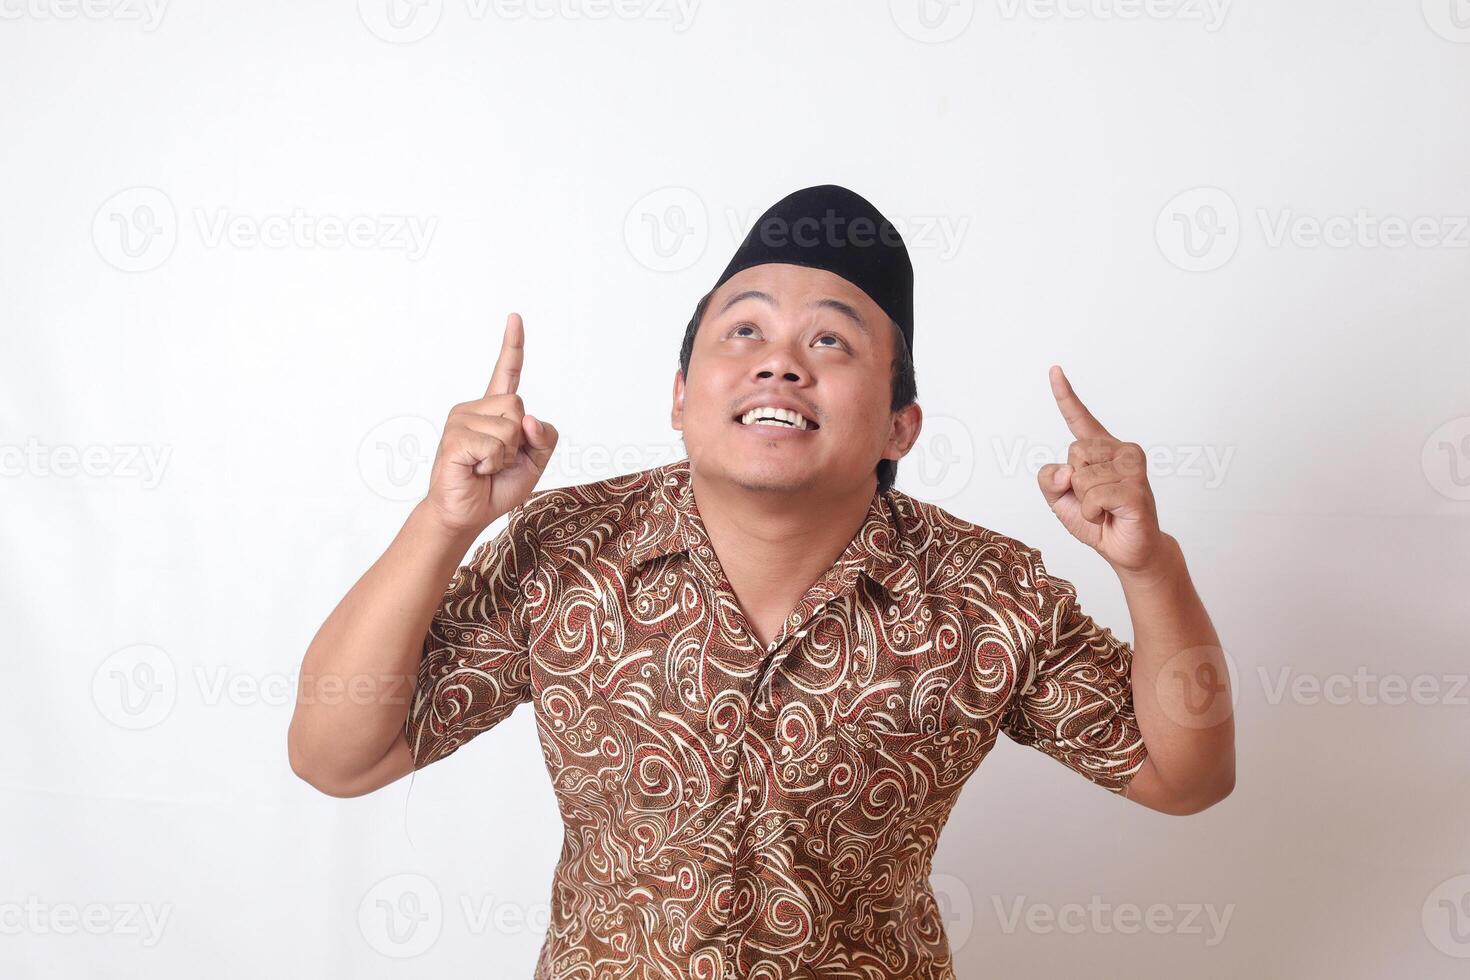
<point x="1101" y="494"/>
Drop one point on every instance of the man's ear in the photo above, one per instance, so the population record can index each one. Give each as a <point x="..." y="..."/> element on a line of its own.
<point x="676" y="415"/>
<point x="907" y="422"/>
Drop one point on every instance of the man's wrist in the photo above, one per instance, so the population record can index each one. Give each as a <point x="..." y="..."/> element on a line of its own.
<point x="1163" y="571"/>
<point x="426" y="522"/>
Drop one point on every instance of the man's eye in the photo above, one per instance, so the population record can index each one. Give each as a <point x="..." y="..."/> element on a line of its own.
<point x="743" y="326"/>
<point x="834" y="337"/>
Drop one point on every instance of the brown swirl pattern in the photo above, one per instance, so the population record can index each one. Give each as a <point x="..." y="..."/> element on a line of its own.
<point x="734" y="811"/>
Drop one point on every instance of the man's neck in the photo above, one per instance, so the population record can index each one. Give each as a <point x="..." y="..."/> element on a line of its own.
<point x="774" y="546"/>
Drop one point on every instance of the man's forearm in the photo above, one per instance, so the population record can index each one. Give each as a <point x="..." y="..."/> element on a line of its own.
<point x="358" y="673"/>
<point x="1180" y="689"/>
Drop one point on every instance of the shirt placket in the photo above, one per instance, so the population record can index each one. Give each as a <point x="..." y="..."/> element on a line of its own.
<point x="831" y="587"/>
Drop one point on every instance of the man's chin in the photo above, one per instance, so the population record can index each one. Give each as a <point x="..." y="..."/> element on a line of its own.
<point x="771" y="476"/>
<point x="778" y="472"/>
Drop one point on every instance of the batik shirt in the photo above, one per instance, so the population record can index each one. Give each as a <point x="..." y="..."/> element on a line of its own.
<point x="739" y="810"/>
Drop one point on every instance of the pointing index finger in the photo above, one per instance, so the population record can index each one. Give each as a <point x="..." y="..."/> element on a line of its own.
<point x="507" y="374"/>
<point x="1079" y="419"/>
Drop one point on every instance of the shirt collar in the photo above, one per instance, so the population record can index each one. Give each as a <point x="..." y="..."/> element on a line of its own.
<point x="668" y="522"/>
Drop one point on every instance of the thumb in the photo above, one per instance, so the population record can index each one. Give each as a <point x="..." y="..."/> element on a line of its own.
<point x="1055" y="480"/>
<point x="540" y="440"/>
<point x="1056" y="486"/>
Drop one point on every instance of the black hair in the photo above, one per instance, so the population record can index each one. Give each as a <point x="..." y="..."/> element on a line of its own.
<point x="905" y="386"/>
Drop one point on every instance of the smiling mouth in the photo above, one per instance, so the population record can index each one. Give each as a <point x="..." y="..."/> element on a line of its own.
<point x="780" y="418"/>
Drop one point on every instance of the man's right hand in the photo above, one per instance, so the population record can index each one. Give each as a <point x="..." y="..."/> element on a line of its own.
<point x="490" y="458"/>
<point x="492" y="453"/>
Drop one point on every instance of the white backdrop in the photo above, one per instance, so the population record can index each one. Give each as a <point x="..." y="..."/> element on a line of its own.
<point x="253" y="253"/>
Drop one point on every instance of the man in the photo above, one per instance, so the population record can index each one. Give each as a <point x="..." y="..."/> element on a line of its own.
<point x="761" y="675"/>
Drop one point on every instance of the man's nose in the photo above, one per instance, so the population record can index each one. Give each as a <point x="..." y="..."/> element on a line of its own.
<point x="780" y="361"/>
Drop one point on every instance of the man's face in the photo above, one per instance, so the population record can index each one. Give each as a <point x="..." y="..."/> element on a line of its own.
<point x="805" y="339"/>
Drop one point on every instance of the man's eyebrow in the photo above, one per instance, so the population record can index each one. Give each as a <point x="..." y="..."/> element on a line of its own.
<point x="825" y="303"/>
<point x="844" y="309"/>
<point x="747" y="294"/>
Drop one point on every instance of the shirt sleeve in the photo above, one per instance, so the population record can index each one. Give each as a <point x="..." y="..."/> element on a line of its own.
<point x="476" y="657"/>
<point x="1075" y="702"/>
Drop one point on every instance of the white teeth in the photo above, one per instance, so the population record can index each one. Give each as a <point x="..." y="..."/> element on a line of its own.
<point x="766" y="415"/>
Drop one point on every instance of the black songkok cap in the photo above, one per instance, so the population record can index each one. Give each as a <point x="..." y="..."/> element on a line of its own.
<point x="832" y="228"/>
